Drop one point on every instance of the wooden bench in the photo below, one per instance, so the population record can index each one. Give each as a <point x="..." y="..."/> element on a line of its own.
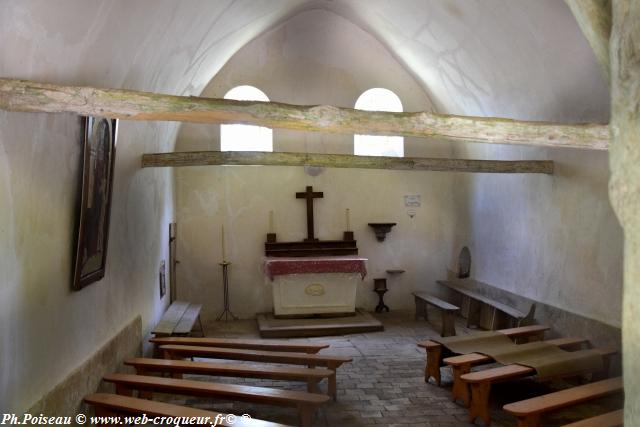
<point x="179" y="320"/>
<point x="312" y="376"/>
<point x="528" y="412"/>
<point x="435" y="351"/>
<point x="310" y="348"/>
<point x="610" y="419"/>
<point x="306" y="403"/>
<point x="461" y="365"/>
<point x="116" y="405"/>
<point x="447" y="310"/>
<point x="310" y="360"/>
<point x="486" y="312"/>
<point x="480" y="383"/>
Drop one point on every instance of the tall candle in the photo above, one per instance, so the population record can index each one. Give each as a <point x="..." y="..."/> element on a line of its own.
<point x="224" y="256"/>
<point x="271" y="222"/>
<point x="347" y="212"/>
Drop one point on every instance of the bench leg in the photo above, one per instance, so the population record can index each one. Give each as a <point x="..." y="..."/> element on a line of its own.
<point x="473" y="318"/>
<point x="460" y="389"/>
<point x="333" y="386"/>
<point x="145" y="394"/>
<point x="432" y="367"/>
<point x="421" y="309"/>
<point x="305" y="412"/>
<point x="124" y="390"/>
<point x="606" y="369"/>
<point x="532" y="420"/>
<point x="480" y="402"/>
<point x="201" y="328"/>
<point x="448" y="324"/>
<point x="312" y="386"/>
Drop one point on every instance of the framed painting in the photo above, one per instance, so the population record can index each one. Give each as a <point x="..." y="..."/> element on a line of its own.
<point x="99" y="153"/>
<point x="163" y="279"/>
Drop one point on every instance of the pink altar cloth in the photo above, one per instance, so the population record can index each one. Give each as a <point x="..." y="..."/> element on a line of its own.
<point x="275" y="266"/>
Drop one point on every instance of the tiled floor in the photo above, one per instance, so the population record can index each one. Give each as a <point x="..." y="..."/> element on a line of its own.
<point x="384" y="385"/>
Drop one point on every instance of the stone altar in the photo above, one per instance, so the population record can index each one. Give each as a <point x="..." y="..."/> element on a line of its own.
<point x="314" y="285"/>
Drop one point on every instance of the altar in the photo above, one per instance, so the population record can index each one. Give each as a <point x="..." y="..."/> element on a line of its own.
<point x="320" y="285"/>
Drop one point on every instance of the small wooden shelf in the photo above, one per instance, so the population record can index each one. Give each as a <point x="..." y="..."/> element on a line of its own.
<point x="395" y="271"/>
<point x="381" y="229"/>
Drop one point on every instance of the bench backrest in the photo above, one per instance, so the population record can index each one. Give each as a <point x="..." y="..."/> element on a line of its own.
<point x="610" y="419"/>
<point x="564" y="398"/>
<point x="239" y="343"/>
<point x="228" y="369"/>
<point x="519" y="332"/>
<point x="229" y="391"/>
<point x="256" y="355"/>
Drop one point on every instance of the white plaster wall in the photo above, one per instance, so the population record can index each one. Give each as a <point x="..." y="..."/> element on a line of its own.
<point x="553" y="239"/>
<point x="47" y="330"/>
<point x="316" y="57"/>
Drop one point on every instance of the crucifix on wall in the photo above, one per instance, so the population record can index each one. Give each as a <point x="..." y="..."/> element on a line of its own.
<point x="311" y="246"/>
<point x="309" y="194"/>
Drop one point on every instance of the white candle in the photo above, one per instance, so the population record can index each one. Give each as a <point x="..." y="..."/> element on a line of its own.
<point x="224" y="256"/>
<point x="348" y="220"/>
<point x="271" y="228"/>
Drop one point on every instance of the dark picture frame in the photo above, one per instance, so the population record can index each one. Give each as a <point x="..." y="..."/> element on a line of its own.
<point x="98" y="160"/>
<point x="163" y="279"/>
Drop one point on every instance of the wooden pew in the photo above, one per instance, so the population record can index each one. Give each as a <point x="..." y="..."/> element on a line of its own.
<point x="486" y="312"/>
<point x="310" y="360"/>
<point x="610" y="419"/>
<point x="179" y="320"/>
<point x="480" y="383"/>
<point x="528" y="412"/>
<point x="312" y="376"/>
<point x="447" y="310"/>
<point x="435" y="350"/>
<point x="462" y="364"/>
<point x="310" y="348"/>
<point x="116" y="405"/>
<point x="306" y="403"/>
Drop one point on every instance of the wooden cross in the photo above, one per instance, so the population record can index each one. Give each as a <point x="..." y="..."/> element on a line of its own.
<point x="310" y="195"/>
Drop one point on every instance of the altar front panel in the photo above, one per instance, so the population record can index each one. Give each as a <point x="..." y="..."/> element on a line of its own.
<point x="315" y="293"/>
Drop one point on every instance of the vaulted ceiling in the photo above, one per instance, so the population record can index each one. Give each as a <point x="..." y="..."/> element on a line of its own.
<point x="513" y="58"/>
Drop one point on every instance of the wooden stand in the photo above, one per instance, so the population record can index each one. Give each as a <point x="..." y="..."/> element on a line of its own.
<point x="225" y="280"/>
<point x="380" y="287"/>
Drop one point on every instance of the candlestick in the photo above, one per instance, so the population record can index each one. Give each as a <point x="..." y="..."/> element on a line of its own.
<point x="271" y="222"/>
<point x="347" y="212"/>
<point x="224" y="257"/>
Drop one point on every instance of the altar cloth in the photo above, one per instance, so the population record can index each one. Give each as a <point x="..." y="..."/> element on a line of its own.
<point x="308" y="265"/>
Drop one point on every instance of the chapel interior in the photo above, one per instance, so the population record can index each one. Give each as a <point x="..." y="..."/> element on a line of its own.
<point x="466" y="191"/>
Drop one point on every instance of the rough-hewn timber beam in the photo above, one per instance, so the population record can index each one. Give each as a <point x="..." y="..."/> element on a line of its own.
<point x="594" y="19"/>
<point x="201" y="158"/>
<point x="20" y="95"/>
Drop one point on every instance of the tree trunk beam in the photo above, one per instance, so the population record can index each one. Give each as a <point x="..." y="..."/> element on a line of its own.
<point x="248" y="158"/>
<point x="20" y="95"/>
<point x="594" y="19"/>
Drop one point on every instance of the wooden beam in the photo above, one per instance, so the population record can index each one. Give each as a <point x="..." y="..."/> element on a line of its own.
<point x="202" y="158"/>
<point x="594" y="19"/>
<point x="20" y="95"/>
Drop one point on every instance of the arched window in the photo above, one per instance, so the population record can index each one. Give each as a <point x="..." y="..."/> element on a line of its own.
<point x="245" y="137"/>
<point x="378" y="99"/>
